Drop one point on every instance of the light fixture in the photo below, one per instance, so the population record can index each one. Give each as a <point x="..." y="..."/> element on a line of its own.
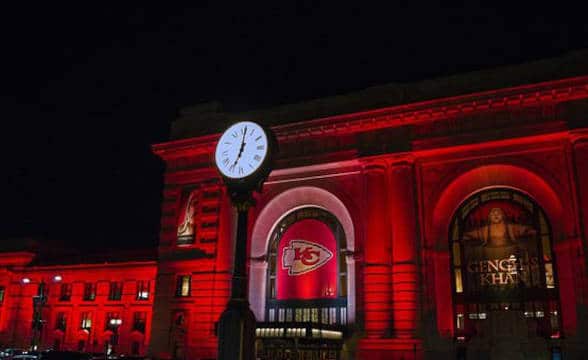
<point x="57" y="278"/>
<point x="26" y="280"/>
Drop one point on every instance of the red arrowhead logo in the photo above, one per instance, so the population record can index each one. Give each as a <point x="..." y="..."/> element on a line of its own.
<point x="302" y="256"/>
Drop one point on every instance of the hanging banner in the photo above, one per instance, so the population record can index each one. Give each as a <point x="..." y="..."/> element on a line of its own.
<point x="501" y="246"/>
<point x="307" y="262"/>
<point x="186" y="224"/>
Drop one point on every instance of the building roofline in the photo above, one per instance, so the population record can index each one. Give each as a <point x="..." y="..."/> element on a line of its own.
<point x="554" y="91"/>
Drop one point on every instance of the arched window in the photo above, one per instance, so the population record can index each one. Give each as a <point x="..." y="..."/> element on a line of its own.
<point x="307" y="279"/>
<point x="502" y="260"/>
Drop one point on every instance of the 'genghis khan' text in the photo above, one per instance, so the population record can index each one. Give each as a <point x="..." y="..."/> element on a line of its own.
<point x="507" y="271"/>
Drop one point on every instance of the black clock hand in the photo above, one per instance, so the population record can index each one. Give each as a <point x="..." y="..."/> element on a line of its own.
<point x="242" y="147"/>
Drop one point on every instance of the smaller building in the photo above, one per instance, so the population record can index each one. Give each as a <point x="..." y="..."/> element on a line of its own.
<point x="82" y="303"/>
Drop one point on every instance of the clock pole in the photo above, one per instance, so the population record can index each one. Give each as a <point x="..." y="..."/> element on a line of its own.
<point x="236" y="326"/>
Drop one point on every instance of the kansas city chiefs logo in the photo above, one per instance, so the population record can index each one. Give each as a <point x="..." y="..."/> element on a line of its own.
<point x="303" y="256"/>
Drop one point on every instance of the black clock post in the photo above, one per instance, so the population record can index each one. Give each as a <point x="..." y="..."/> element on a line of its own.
<point x="236" y="326"/>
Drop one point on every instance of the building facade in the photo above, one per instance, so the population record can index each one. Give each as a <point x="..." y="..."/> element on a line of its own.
<point x="446" y="218"/>
<point x="442" y="219"/>
<point x="91" y="307"/>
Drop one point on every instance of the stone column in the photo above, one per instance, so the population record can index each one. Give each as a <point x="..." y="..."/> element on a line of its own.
<point x="405" y="276"/>
<point x="580" y="156"/>
<point x="376" y="267"/>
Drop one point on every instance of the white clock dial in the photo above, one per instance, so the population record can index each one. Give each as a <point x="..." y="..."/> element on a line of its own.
<point x="241" y="150"/>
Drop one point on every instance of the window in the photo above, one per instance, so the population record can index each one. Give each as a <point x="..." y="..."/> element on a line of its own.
<point x="86" y="321"/>
<point x="502" y="259"/>
<point x="143" y="289"/>
<point x="112" y="325"/>
<point x="139" y="320"/>
<point x="2" y="290"/>
<point x="183" y="285"/>
<point x="65" y="294"/>
<point x="115" y="292"/>
<point x="286" y="300"/>
<point x="89" y="291"/>
<point x="61" y="321"/>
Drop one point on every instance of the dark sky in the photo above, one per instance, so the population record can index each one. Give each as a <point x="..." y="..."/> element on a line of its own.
<point x="87" y="89"/>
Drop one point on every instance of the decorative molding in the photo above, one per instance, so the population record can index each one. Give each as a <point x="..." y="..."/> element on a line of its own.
<point x="527" y="103"/>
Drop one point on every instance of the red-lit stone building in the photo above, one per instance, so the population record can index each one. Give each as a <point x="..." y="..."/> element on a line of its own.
<point x="440" y="219"/>
<point x="70" y="306"/>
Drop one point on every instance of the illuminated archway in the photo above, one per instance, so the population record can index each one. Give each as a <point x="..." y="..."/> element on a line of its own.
<point x="502" y="261"/>
<point x="277" y="209"/>
<point x="455" y="191"/>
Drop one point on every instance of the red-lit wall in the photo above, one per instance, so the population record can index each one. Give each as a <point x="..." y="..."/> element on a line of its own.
<point x="16" y="311"/>
<point x="394" y="177"/>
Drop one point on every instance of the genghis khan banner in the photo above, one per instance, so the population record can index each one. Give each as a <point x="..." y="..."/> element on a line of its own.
<point x="501" y="246"/>
<point x="307" y="262"/>
<point x="186" y="226"/>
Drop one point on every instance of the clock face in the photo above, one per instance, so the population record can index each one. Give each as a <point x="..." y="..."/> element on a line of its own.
<point x="241" y="150"/>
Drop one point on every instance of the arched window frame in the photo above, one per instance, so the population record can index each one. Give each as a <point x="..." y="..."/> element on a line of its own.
<point x="324" y="311"/>
<point x="544" y="308"/>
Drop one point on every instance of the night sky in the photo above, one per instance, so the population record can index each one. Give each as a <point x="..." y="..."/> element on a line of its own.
<point x="87" y="89"/>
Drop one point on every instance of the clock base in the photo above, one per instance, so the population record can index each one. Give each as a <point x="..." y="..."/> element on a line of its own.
<point x="236" y="332"/>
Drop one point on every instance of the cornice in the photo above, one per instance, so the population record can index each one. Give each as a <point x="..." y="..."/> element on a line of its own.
<point x="520" y="97"/>
<point x="106" y="265"/>
<point x="544" y="93"/>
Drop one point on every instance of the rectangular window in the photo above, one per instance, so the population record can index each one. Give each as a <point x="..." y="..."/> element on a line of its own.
<point x="549" y="279"/>
<point x="2" y="290"/>
<point x="456" y="254"/>
<point x="183" y="286"/>
<point x="306" y="314"/>
<point x="113" y="321"/>
<point x="89" y="291"/>
<point x="460" y="322"/>
<point x="314" y="315"/>
<point x="272" y="315"/>
<point x="86" y="321"/>
<point x="115" y="292"/>
<point x="60" y="321"/>
<point x="143" y="289"/>
<point x="325" y="315"/>
<point x="458" y="281"/>
<point x="139" y="321"/>
<point x="272" y="285"/>
<point x="65" y="294"/>
<point x="298" y="315"/>
<point x="332" y="315"/>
